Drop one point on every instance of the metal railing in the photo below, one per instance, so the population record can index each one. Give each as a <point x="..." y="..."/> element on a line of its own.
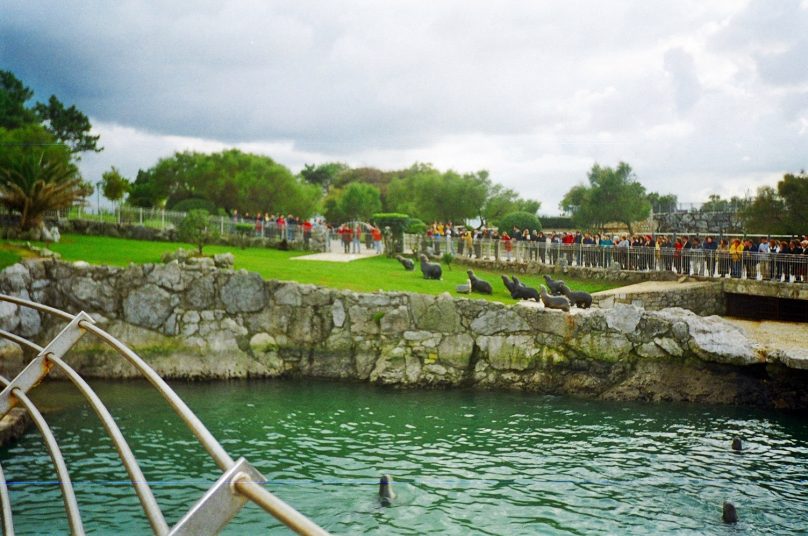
<point x="238" y="483"/>
<point x="784" y="267"/>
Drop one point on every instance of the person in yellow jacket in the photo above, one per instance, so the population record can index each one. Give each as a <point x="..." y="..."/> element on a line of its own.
<point x="735" y="254"/>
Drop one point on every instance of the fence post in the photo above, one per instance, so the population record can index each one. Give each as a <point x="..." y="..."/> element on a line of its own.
<point x="221" y="225"/>
<point x="141" y="215"/>
<point x="162" y="219"/>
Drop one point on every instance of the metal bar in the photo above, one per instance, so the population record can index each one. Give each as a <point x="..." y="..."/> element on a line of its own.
<point x="5" y="506"/>
<point x="144" y="493"/>
<point x="279" y="509"/>
<point x="219" y="455"/>
<point x="37" y="306"/>
<point x="39" y="367"/>
<point x="218" y="505"/>
<point x="69" y="497"/>
<point x="20" y="340"/>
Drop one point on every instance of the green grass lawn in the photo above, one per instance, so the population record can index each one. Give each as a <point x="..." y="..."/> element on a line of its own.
<point x="365" y="275"/>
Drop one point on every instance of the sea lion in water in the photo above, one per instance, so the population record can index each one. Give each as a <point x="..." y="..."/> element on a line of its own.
<point x="386" y="493"/>
<point x="736" y="444"/>
<point x="729" y="514"/>
<point x="479" y="285"/>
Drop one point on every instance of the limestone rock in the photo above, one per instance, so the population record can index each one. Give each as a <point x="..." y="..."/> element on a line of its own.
<point x="263" y="343"/>
<point x="623" y="318"/>
<point x="224" y="260"/>
<point x="14" y="279"/>
<point x="87" y="293"/>
<point x="498" y="321"/>
<point x="511" y="352"/>
<point x="455" y="350"/>
<point x="200" y="293"/>
<point x="435" y="314"/>
<point x="167" y="276"/>
<point x="9" y="317"/>
<point x="148" y="306"/>
<point x="243" y="293"/>
<point x="338" y="313"/>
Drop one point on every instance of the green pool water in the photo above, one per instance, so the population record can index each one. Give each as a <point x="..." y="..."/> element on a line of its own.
<point x="464" y="462"/>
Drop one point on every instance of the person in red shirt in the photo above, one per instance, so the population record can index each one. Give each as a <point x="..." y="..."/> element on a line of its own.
<point x="377" y="240"/>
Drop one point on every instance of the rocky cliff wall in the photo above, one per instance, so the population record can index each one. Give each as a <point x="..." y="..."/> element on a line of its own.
<point x="196" y="321"/>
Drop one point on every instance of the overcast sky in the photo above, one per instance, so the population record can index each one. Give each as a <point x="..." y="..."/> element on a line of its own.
<point x="698" y="97"/>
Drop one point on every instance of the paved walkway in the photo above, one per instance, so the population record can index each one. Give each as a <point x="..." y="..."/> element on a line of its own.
<point x="337" y="254"/>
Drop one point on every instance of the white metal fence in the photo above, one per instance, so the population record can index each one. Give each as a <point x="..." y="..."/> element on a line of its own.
<point x="699" y="262"/>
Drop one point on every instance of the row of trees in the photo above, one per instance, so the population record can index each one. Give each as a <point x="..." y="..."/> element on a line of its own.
<point x="615" y="195"/>
<point x="232" y="181"/>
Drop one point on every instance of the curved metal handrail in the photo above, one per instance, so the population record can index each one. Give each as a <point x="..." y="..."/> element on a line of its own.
<point x="239" y="479"/>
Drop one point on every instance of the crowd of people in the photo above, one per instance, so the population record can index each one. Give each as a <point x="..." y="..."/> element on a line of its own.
<point x="750" y="257"/>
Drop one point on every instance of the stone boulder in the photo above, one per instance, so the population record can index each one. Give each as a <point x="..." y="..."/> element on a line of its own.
<point x="243" y="292"/>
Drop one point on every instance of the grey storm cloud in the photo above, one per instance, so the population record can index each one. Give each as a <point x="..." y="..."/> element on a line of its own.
<point x="533" y="91"/>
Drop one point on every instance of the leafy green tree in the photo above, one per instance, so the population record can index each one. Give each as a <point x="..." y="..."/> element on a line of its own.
<point x="231" y="179"/>
<point x="780" y="211"/>
<point x="663" y="203"/>
<point x="766" y="213"/>
<point x="715" y="203"/>
<point x="501" y="201"/>
<point x="68" y="125"/>
<point x="323" y="175"/>
<point x="196" y="228"/>
<point x="522" y="220"/>
<point x="359" y="201"/>
<point x="431" y="195"/>
<point x="114" y="186"/>
<point x="793" y="189"/>
<point x="13" y="96"/>
<point x="613" y="195"/>
<point x="37" y="176"/>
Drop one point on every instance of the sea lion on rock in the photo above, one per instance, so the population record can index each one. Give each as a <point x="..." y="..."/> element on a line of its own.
<point x="521" y="292"/>
<point x="554" y="285"/>
<point x="728" y="513"/>
<point x="386" y="493"/>
<point x="510" y="285"/>
<point x="406" y="263"/>
<point x="430" y="269"/>
<point x="554" y="302"/>
<point x="479" y="285"/>
<point x="580" y="299"/>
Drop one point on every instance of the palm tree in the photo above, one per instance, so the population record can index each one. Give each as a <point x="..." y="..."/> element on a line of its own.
<point x="33" y="184"/>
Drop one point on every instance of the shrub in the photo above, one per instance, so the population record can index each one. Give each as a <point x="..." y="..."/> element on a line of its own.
<point x="522" y="220"/>
<point x="196" y="229"/>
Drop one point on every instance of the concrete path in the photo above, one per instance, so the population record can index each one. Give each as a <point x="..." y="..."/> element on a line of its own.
<point x="336" y="253"/>
<point x="652" y="286"/>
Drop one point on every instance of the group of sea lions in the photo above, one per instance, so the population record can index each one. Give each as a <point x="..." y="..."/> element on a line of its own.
<point x="560" y="295"/>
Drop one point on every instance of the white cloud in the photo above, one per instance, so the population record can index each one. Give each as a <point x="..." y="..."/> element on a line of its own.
<point x="697" y="96"/>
